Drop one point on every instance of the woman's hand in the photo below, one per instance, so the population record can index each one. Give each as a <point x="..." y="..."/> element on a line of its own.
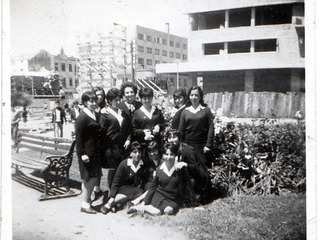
<point x="148" y="136"/>
<point x="206" y="149"/>
<point x="126" y="144"/>
<point x="85" y="158"/>
<point x="156" y="129"/>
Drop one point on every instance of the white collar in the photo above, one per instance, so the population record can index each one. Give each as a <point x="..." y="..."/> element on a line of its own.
<point x="146" y="112"/>
<point x="165" y="169"/>
<point x="117" y="115"/>
<point x="89" y="113"/>
<point x="130" y="106"/>
<point x="194" y="111"/>
<point x="132" y="166"/>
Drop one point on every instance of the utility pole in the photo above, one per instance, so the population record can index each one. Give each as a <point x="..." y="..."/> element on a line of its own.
<point x="132" y="69"/>
<point x="168" y="53"/>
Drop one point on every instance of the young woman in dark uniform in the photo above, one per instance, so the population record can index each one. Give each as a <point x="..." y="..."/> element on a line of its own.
<point x="87" y="138"/>
<point x="115" y="128"/>
<point x="128" y="180"/>
<point x="148" y="122"/>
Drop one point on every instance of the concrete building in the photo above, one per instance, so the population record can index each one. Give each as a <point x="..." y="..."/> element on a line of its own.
<point x="61" y="64"/>
<point x="245" y="45"/>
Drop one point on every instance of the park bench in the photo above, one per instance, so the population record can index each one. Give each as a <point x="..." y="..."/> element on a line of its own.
<point x="50" y="160"/>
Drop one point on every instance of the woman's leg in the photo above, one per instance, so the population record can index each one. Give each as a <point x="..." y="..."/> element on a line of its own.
<point x="140" y="198"/>
<point x="87" y="187"/>
<point x="151" y="209"/>
<point x="168" y="210"/>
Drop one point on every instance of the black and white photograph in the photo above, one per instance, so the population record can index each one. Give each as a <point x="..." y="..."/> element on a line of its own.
<point x="158" y="119"/>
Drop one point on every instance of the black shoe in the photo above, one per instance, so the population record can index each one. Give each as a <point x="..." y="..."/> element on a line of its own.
<point x="97" y="195"/>
<point x="89" y="210"/>
<point x="105" y="210"/>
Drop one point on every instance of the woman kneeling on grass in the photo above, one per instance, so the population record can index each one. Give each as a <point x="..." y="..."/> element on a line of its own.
<point x="128" y="180"/>
<point x="166" y="188"/>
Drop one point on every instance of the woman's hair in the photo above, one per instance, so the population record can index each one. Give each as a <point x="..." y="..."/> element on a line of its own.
<point x="135" y="146"/>
<point x="101" y="102"/>
<point x="130" y="85"/>
<point x="200" y="95"/>
<point x="172" y="147"/>
<point x="153" y="146"/>
<point x="180" y="92"/>
<point x="145" y="92"/>
<point x="87" y="96"/>
<point x="66" y="105"/>
<point x="112" y="94"/>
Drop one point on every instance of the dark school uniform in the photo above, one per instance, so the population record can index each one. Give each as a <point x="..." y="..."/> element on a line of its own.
<point x="176" y="119"/>
<point x="115" y="128"/>
<point x="87" y="138"/>
<point x="166" y="189"/>
<point x="128" y="179"/>
<point x="130" y="108"/>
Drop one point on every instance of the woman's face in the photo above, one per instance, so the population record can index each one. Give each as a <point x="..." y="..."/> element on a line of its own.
<point x="99" y="94"/>
<point x="91" y="104"/>
<point x="129" y="94"/>
<point x="154" y="155"/>
<point x="115" y="102"/>
<point x="194" y="97"/>
<point x="135" y="155"/>
<point x="146" y="101"/>
<point x="179" y="101"/>
<point x="168" y="156"/>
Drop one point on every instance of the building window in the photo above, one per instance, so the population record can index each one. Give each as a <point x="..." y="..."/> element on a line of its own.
<point x="267" y="45"/>
<point x="63" y="67"/>
<point x="185" y="82"/>
<point x="164" y="41"/>
<point x="276" y="14"/>
<point x="177" y="55"/>
<point x="140" y="48"/>
<point x="140" y="36"/>
<point x="164" y="53"/>
<point x="184" y="57"/>
<point x="75" y="68"/>
<point x="207" y="20"/>
<point x="148" y="38"/>
<point x="70" y="82"/>
<point x="171" y="44"/>
<point x="157" y="51"/>
<point x="213" y="48"/>
<point x="149" y="50"/>
<point x="239" y="47"/>
<point x="149" y="62"/>
<point x="77" y="82"/>
<point x="171" y="54"/>
<point x="56" y="66"/>
<point x="156" y="40"/>
<point x="240" y="17"/>
<point x="141" y="61"/>
<point x="70" y="67"/>
<point x="157" y="62"/>
<point x="64" y="82"/>
<point x="178" y="45"/>
<point x="184" y="46"/>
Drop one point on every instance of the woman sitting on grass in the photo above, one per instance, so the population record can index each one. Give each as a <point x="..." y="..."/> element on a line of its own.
<point x="165" y="192"/>
<point x="128" y="180"/>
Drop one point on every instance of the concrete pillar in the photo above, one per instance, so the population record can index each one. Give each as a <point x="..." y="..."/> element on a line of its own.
<point x="252" y="46"/>
<point x="249" y="81"/>
<point x="295" y="80"/>
<point x="226" y="20"/>
<point x="253" y="17"/>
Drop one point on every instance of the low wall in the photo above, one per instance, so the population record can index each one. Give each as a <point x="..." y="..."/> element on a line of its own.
<point x="257" y="104"/>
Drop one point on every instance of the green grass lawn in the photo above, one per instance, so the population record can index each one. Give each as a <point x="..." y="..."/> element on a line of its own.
<point x="243" y="217"/>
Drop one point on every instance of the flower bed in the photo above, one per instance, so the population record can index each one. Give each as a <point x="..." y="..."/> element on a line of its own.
<point x="264" y="158"/>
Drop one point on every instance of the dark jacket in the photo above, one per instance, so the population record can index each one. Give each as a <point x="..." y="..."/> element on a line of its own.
<point x="62" y="114"/>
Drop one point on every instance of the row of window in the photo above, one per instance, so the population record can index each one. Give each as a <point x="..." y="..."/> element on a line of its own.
<point x="265" y="45"/>
<point x="164" y="53"/>
<point x="163" y="41"/>
<point x="149" y="61"/>
<point x="63" y="67"/>
<point x="64" y="82"/>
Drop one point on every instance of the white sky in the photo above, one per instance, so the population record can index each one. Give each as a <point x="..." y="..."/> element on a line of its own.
<point x="52" y="24"/>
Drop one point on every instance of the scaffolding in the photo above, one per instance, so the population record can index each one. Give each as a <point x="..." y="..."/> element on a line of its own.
<point x="100" y="58"/>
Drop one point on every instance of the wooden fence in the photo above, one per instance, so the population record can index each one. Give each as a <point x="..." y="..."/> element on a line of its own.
<point x="257" y="104"/>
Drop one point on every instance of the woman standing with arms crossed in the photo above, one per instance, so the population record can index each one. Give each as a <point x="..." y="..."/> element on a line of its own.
<point x="87" y="138"/>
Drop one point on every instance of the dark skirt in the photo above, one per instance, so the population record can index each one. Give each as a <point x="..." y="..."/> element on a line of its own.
<point x="112" y="157"/>
<point x="130" y="191"/>
<point x="91" y="169"/>
<point x="161" y="202"/>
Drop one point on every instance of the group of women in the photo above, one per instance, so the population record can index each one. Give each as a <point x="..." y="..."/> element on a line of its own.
<point x="147" y="170"/>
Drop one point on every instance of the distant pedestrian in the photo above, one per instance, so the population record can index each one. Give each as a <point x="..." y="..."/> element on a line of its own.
<point x="75" y="111"/>
<point x="58" y="118"/>
<point x="15" y="119"/>
<point x="67" y="111"/>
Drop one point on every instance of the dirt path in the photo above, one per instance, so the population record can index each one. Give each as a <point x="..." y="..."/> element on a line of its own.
<point x="62" y="219"/>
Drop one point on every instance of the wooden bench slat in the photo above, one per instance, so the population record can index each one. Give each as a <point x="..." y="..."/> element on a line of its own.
<point x="47" y="144"/>
<point x="28" y="160"/>
<point x="54" y="139"/>
<point x="39" y="149"/>
<point x="25" y="164"/>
